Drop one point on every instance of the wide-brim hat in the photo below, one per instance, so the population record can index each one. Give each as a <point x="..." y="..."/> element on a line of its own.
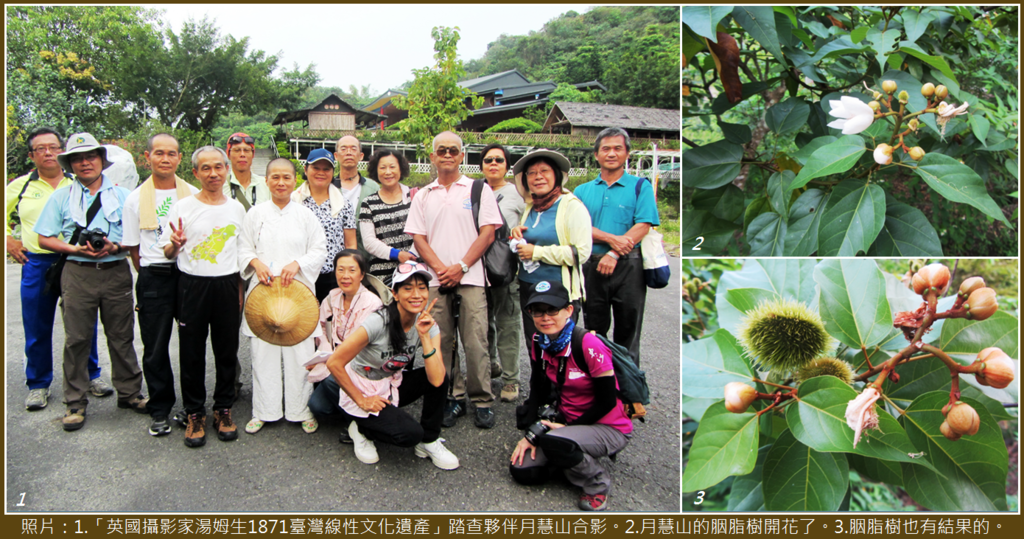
<point x="282" y="315"/>
<point x="378" y="286"/>
<point x="520" y="167"/>
<point x="548" y="293"/>
<point x="81" y="143"/>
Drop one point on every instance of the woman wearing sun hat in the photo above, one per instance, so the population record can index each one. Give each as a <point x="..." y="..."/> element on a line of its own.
<point x="555" y="230"/>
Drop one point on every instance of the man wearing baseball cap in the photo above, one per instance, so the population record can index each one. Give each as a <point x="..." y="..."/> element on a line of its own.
<point x="243" y="185"/>
<point x="96" y="276"/>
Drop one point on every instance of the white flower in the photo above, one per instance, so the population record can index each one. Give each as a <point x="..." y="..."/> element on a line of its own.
<point x="883" y="154"/>
<point x="855" y="115"/>
<point x="945" y="112"/>
<point x="861" y="414"/>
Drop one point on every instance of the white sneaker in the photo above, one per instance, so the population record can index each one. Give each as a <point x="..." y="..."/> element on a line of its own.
<point x="366" y="452"/>
<point x="438" y="453"/>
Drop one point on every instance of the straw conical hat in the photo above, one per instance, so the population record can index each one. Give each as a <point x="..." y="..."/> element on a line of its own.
<point x="282" y="315"/>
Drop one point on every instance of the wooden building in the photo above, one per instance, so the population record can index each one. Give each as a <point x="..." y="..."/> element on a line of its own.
<point x="331" y="114"/>
<point x="589" y="119"/>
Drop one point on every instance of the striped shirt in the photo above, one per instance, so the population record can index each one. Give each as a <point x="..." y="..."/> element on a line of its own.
<point x="388" y="222"/>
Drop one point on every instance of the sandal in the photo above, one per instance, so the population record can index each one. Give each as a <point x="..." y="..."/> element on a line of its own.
<point x="253" y="426"/>
<point x="309" y="426"/>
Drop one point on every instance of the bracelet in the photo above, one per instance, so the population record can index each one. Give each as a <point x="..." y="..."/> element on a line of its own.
<point x="432" y="352"/>
<point x="613" y="254"/>
<point x="393" y="255"/>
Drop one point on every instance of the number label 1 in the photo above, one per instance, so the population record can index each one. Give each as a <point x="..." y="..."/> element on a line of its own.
<point x="21" y="502"/>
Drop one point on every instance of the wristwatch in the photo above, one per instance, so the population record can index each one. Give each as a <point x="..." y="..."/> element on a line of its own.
<point x="465" y="268"/>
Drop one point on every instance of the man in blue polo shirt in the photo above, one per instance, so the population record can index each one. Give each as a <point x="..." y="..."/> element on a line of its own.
<point x="96" y="276"/>
<point x="622" y="210"/>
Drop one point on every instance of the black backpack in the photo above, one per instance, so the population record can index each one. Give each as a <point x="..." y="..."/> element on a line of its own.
<point x="499" y="261"/>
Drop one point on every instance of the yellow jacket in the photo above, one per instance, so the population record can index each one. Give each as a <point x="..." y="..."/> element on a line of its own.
<point x="573" y="227"/>
<point x="31" y="206"/>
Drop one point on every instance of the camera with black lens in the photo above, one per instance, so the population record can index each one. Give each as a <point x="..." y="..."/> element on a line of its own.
<point x="546" y="413"/>
<point x="95" y="238"/>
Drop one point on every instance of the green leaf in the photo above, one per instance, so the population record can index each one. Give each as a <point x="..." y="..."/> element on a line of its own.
<point x="853" y="303"/>
<point x="915" y="23"/>
<point x="725" y="444"/>
<point x="779" y="194"/>
<point x="980" y="125"/>
<point x="787" y="11"/>
<point x="745" y="299"/>
<point x="691" y="45"/>
<point x="883" y="44"/>
<point x="804" y="216"/>
<point x="837" y="47"/>
<point x="721" y="104"/>
<point x="798" y="478"/>
<point x="712" y="362"/>
<point x="934" y="61"/>
<point x="759" y="22"/>
<point x="745" y="494"/>
<point x="993" y="406"/>
<point x="963" y="339"/>
<point x="833" y="158"/>
<point x="757" y="207"/>
<point x="712" y="165"/>
<point x="702" y="224"/>
<point x="883" y="471"/>
<point x="853" y="217"/>
<point x="957" y="182"/>
<point x="969" y="474"/>
<point x="818" y="420"/>
<point x="703" y="20"/>
<point x="735" y="133"/>
<point x="788" y="116"/>
<point x="858" y="34"/>
<point x="767" y="235"/>
<point x="726" y="202"/>
<point x="803" y="154"/>
<point x="907" y="232"/>
<point x="923" y="375"/>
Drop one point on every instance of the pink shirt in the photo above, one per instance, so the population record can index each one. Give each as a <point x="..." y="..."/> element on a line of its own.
<point x="445" y="217"/>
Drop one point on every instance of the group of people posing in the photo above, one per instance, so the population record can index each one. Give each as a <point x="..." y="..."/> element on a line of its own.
<point x="397" y="274"/>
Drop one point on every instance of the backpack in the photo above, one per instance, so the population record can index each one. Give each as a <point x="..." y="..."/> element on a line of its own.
<point x="499" y="261"/>
<point x="633" y="390"/>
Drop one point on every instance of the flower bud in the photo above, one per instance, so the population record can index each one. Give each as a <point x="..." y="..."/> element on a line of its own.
<point x="970" y="285"/>
<point x="889" y="86"/>
<point x="883" y="154"/>
<point x="875" y="105"/>
<point x="917" y="153"/>
<point x="963" y="419"/>
<point x="739" y="397"/>
<point x="931" y="276"/>
<point x="691" y="289"/>
<point x="981" y="304"/>
<point x="876" y="95"/>
<point x="927" y="89"/>
<point x="941" y="91"/>
<point x="904" y="97"/>
<point x="946" y="431"/>
<point x="913" y="124"/>
<point x="998" y="371"/>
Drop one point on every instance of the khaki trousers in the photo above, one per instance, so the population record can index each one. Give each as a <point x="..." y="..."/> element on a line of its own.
<point x="473" y="334"/>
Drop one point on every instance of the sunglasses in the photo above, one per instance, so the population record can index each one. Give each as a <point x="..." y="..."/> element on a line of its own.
<point x="408" y="267"/>
<point x="444" y="150"/>
<point x="498" y="160"/>
<point x="546" y="310"/>
<point x="239" y="140"/>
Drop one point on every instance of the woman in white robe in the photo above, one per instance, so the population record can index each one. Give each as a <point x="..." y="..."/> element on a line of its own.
<point x="281" y="239"/>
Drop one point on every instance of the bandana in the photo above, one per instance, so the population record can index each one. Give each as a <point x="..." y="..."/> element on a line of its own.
<point x="560" y="342"/>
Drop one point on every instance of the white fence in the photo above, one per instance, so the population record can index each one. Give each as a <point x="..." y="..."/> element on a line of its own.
<point x="424" y="168"/>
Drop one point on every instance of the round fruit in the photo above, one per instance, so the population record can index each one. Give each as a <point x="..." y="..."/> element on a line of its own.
<point x="783" y="334"/>
<point x="963" y="419"/>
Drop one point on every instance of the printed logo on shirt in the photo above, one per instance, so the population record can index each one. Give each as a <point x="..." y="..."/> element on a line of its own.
<point x="574" y="375"/>
<point x="212" y="246"/>
<point x="467" y="204"/>
<point x="396" y="363"/>
<point x="595" y="355"/>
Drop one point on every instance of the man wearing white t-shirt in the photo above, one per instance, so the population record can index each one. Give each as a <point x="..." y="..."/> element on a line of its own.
<point x="203" y="238"/>
<point x="145" y="217"/>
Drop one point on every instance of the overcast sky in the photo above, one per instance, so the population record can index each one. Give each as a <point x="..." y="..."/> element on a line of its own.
<point x="378" y="45"/>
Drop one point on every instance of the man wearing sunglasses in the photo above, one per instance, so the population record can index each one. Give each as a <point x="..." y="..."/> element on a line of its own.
<point x="96" y="277"/>
<point x="26" y="196"/>
<point x="348" y="152"/>
<point x="446" y="238"/>
<point x="243" y="185"/>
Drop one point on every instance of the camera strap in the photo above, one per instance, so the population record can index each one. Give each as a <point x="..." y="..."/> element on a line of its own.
<point x="94" y="208"/>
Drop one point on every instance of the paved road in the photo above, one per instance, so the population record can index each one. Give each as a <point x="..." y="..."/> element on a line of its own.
<point x="113" y="464"/>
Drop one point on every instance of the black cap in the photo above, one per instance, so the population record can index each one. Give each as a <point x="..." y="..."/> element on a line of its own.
<point x="549" y="293"/>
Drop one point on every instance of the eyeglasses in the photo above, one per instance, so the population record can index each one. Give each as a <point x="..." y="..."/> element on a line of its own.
<point x="239" y="140"/>
<point x="242" y="150"/>
<point x="76" y="157"/>
<point x="349" y="150"/>
<point x="498" y="160"/>
<point x="547" y="310"/>
<point x="446" y="150"/>
<point x="408" y="267"/>
<point x="53" y="148"/>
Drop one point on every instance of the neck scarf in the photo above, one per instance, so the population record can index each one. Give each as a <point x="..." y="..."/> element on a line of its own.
<point x="147" y="201"/>
<point x="560" y="342"/>
<point x="109" y="202"/>
<point x="541" y="203"/>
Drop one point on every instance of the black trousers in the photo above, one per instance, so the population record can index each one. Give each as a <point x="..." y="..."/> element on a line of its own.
<point x="622" y="295"/>
<point x="394" y="426"/>
<point x="207" y="304"/>
<point x="324" y="284"/>
<point x="155" y="291"/>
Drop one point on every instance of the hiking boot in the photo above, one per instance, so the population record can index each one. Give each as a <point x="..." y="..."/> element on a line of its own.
<point x="74" y="419"/>
<point x="495" y="370"/>
<point x="510" y="392"/>
<point x="195" y="433"/>
<point x="226" y="430"/>
<point x="137" y="403"/>
<point x="597" y="502"/>
<point x="366" y="452"/>
<point x="438" y="453"/>
<point x="344" y="438"/>
<point x="159" y="427"/>
<point x="484" y="418"/>
<point x="99" y="388"/>
<point x="453" y="410"/>
<point x="36" y="399"/>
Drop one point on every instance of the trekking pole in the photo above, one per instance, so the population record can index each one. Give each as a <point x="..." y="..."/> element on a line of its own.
<point x="456" y="307"/>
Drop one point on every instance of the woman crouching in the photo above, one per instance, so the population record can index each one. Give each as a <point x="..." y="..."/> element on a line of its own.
<point x="374" y="364"/>
<point x="586" y="421"/>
